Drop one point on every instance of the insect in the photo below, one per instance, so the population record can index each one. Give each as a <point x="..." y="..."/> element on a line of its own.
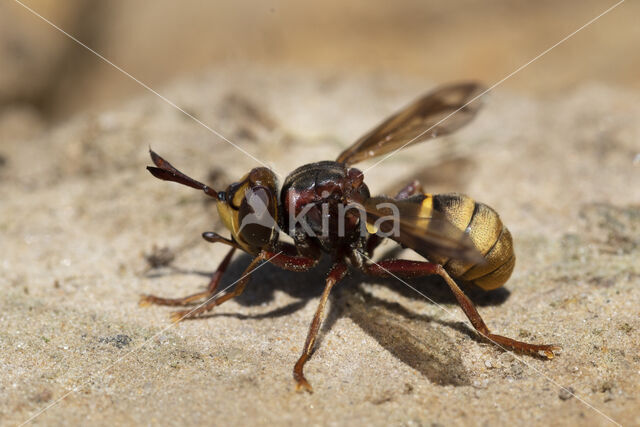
<point x="459" y="237"/>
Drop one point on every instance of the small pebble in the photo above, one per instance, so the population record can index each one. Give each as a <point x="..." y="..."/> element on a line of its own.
<point x="566" y="393"/>
<point x="488" y="364"/>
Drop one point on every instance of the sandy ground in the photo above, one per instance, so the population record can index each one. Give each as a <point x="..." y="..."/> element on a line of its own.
<point x="80" y="216"/>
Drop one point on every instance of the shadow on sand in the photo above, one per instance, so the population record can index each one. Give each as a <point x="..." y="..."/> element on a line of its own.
<point x="411" y="337"/>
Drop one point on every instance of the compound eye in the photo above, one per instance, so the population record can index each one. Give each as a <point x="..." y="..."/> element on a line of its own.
<point x="258" y="216"/>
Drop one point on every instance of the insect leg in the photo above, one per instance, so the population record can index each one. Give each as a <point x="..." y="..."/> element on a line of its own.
<point x="237" y="290"/>
<point x="293" y="263"/>
<point x="290" y="262"/>
<point x="408" y="268"/>
<point x="211" y="288"/>
<point x="338" y="271"/>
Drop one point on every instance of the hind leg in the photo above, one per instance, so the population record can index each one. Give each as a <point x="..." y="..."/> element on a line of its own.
<point x="406" y="268"/>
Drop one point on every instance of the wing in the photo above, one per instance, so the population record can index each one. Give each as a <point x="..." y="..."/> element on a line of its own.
<point x="419" y="227"/>
<point x="437" y="113"/>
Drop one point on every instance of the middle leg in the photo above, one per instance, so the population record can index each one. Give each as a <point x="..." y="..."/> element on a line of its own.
<point x="338" y="271"/>
<point x="284" y="261"/>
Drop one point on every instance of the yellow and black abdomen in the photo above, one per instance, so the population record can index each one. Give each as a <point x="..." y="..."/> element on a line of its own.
<point x="492" y="239"/>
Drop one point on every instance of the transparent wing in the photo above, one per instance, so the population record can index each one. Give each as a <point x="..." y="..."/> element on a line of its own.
<point x="425" y="118"/>
<point x="420" y="228"/>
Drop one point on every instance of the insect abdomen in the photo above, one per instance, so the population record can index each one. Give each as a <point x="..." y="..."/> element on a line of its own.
<point x="492" y="239"/>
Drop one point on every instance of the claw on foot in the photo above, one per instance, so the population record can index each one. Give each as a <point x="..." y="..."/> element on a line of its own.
<point x="145" y="300"/>
<point x="177" y="316"/>
<point x="549" y="351"/>
<point x="303" y="385"/>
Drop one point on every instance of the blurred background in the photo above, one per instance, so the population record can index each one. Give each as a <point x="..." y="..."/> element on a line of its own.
<point x="46" y="77"/>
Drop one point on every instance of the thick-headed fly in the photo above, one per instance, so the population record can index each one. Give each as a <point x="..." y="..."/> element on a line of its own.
<point x="326" y="208"/>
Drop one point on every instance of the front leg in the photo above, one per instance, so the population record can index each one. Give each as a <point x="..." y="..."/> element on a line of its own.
<point x="284" y="261"/>
<point x="146" y="300"/>
<point x="406" y="268"/>
<point x="212" y="237"/>
<point x="338" y="271"/>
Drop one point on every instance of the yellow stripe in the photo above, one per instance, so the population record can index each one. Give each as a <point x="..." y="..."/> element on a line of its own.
<point x="240" y="192"/>
<point x="425" y="212"/>
<point x="426" y="207"/>
<point x="229" y="218"/>
<point x="371" y="229"/>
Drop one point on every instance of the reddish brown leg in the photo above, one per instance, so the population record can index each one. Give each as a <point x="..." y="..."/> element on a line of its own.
<point x="406" y="268"/>
<point x="147" y="300"/>
<point x="338" y="271"/>
<point x="290" y="262"/>
<point x="287" y="262"/>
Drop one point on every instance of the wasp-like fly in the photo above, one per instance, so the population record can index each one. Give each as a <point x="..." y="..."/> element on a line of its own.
<point x="326" y="208"/>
